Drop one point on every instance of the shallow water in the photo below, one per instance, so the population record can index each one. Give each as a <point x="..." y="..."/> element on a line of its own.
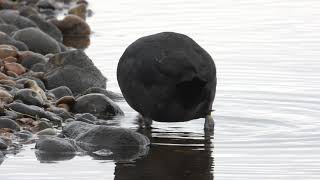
<point x="267" y="55"/>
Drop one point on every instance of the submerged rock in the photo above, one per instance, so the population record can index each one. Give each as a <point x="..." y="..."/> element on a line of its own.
<point x="73" y="69"/>
<point x="9" y="123"/>
<point x="37" y="41"/>
<point x="103" y="107"/>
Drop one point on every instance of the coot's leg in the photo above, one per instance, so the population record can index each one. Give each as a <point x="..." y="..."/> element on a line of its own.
<point x="209" y="122"/>
<point x="144" y="122"/>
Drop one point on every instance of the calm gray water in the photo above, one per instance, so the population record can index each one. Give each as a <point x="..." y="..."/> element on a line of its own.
<point x="267" y="103"/>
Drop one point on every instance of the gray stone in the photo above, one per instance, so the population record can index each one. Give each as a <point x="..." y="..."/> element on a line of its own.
<point x="103" y="107"/>
<point x="8" y="28"/>
<point x="55" y="145"/>
<point x="6" y="39"/>
<point x="37" y="41"/>
<point x="30" y="58"/>
<point x="30" y="97"/>
<point x="3" y="145"/>
<point x="13" y="18"/>
<point x="112" y="95"/>
<point x="73" y="69"/>
<point x="9" y="123"/>
<point x="47" y="132"/>
<point x="34" y="111"/>
<point x="61" y="91"/>
<point x="46" y="4"/>
<point x="23" y="80"/>
<point x="75" y="128"/>
<point x="47" y="27"/>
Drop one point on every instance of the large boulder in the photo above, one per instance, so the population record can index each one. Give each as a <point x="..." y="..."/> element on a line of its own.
<point x="73" y="69"/>
<point x="6" y="39"/>
<point x="103" y="107"/>
<point x="13" y="18"/>
<point x="37" y="41"/>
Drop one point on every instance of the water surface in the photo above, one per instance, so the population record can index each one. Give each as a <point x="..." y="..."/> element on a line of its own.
<point x="267" y="103"/>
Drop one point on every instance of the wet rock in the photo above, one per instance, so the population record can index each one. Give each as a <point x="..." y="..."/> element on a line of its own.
<point x="72" y="25"/>
<point x="8" y="28"/>
<point x="47" y="27"/>
<point x="104" y="137"/>
<point x="1" y="157"/>
<point x="7" y="51"/>
<point x="47" y="132"/>
<point x="3" y="145"/>
<point x="79" y="10"/>
<point x="13" y="18"/>
<point x="61" y="112"/>
<point x="103" y="107"/>
<point x="78" y="42"/>
<point x="8" y="123"/>
<point x="41" y="125"/>
<point x="75" y="128"/>
<point x="23" y="135"/>
<point x="55" y="145"/>
<point x="30" y="97"/>
<point x="24" y="80"/>
<point x="46" y="4"/>
<point x="112" y="95"/>
<point x="5" y="97"/>
<point x="6" y="39"/>
<point x="61" y="91"/>
<point x="34" y="111"/>
<point x="27" y="11"/>
<point x="87" y="116"/>
<point x="14" y="67"/>
<point x="73" y="69"/>
<point x="29" y="58"/>
<point x="37" y="41"/>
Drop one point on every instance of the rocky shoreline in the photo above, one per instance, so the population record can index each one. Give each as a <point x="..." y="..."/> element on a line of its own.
<point x="51" y="93"/>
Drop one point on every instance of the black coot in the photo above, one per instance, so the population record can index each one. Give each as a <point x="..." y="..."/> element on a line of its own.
<point x="168" y="77"/>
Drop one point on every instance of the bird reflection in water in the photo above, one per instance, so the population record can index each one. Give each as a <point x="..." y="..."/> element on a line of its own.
<point x="180" y="157"/>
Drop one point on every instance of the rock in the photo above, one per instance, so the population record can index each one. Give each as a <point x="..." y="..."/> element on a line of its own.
<point x="7" y="51"/>
<point x="104" y="137"/>
<point x="10" y="59"/>
<point x="14" y="67"/>
<point x="8" y="28"/>
<point x="167" y="77"/>
<point x="6" y="39"/>
<point x="34" y="111"/>
<point x="24" y="80"/>
<point x="30" y="97"/>
<point x="73" y="69"/>
<point x="112" y="95"/>
<point x="5" y="97"/>
<point x="29" y="58"/>
<point x="75" y="128"/>
<point x="66" y="100"/>
<point x="23" y="135"/>
<point x="103" y="107"/>
<point x="47" y="27"/>
<point x="8" y="123"/>
<point x="38" y="67"/>
<point x="47" y="132"/>
<point x="79" y="10"/>
<point x="61" y="91"/>
<point x="46" y="4"/>
<point x="41" y="125"/>
<point x="3" y="76"/>
<point x="37" y="41"/>
<point x="3" y="145"/>
<point x="13" y="18"/>
<point x="61" y="112"/>
<point x="4" y="4"/>
<point x="55" y="145"/>
<point x="27" y="11"/>
<point x="7" y="82"/>
<point x="88" y="116"/>
<point x="72" y="25"/>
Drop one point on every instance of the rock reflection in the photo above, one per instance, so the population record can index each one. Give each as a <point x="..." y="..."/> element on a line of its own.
<point x="79" y="42"/>
<point x="44" y="157"/>
<point x="171" y="159"/>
